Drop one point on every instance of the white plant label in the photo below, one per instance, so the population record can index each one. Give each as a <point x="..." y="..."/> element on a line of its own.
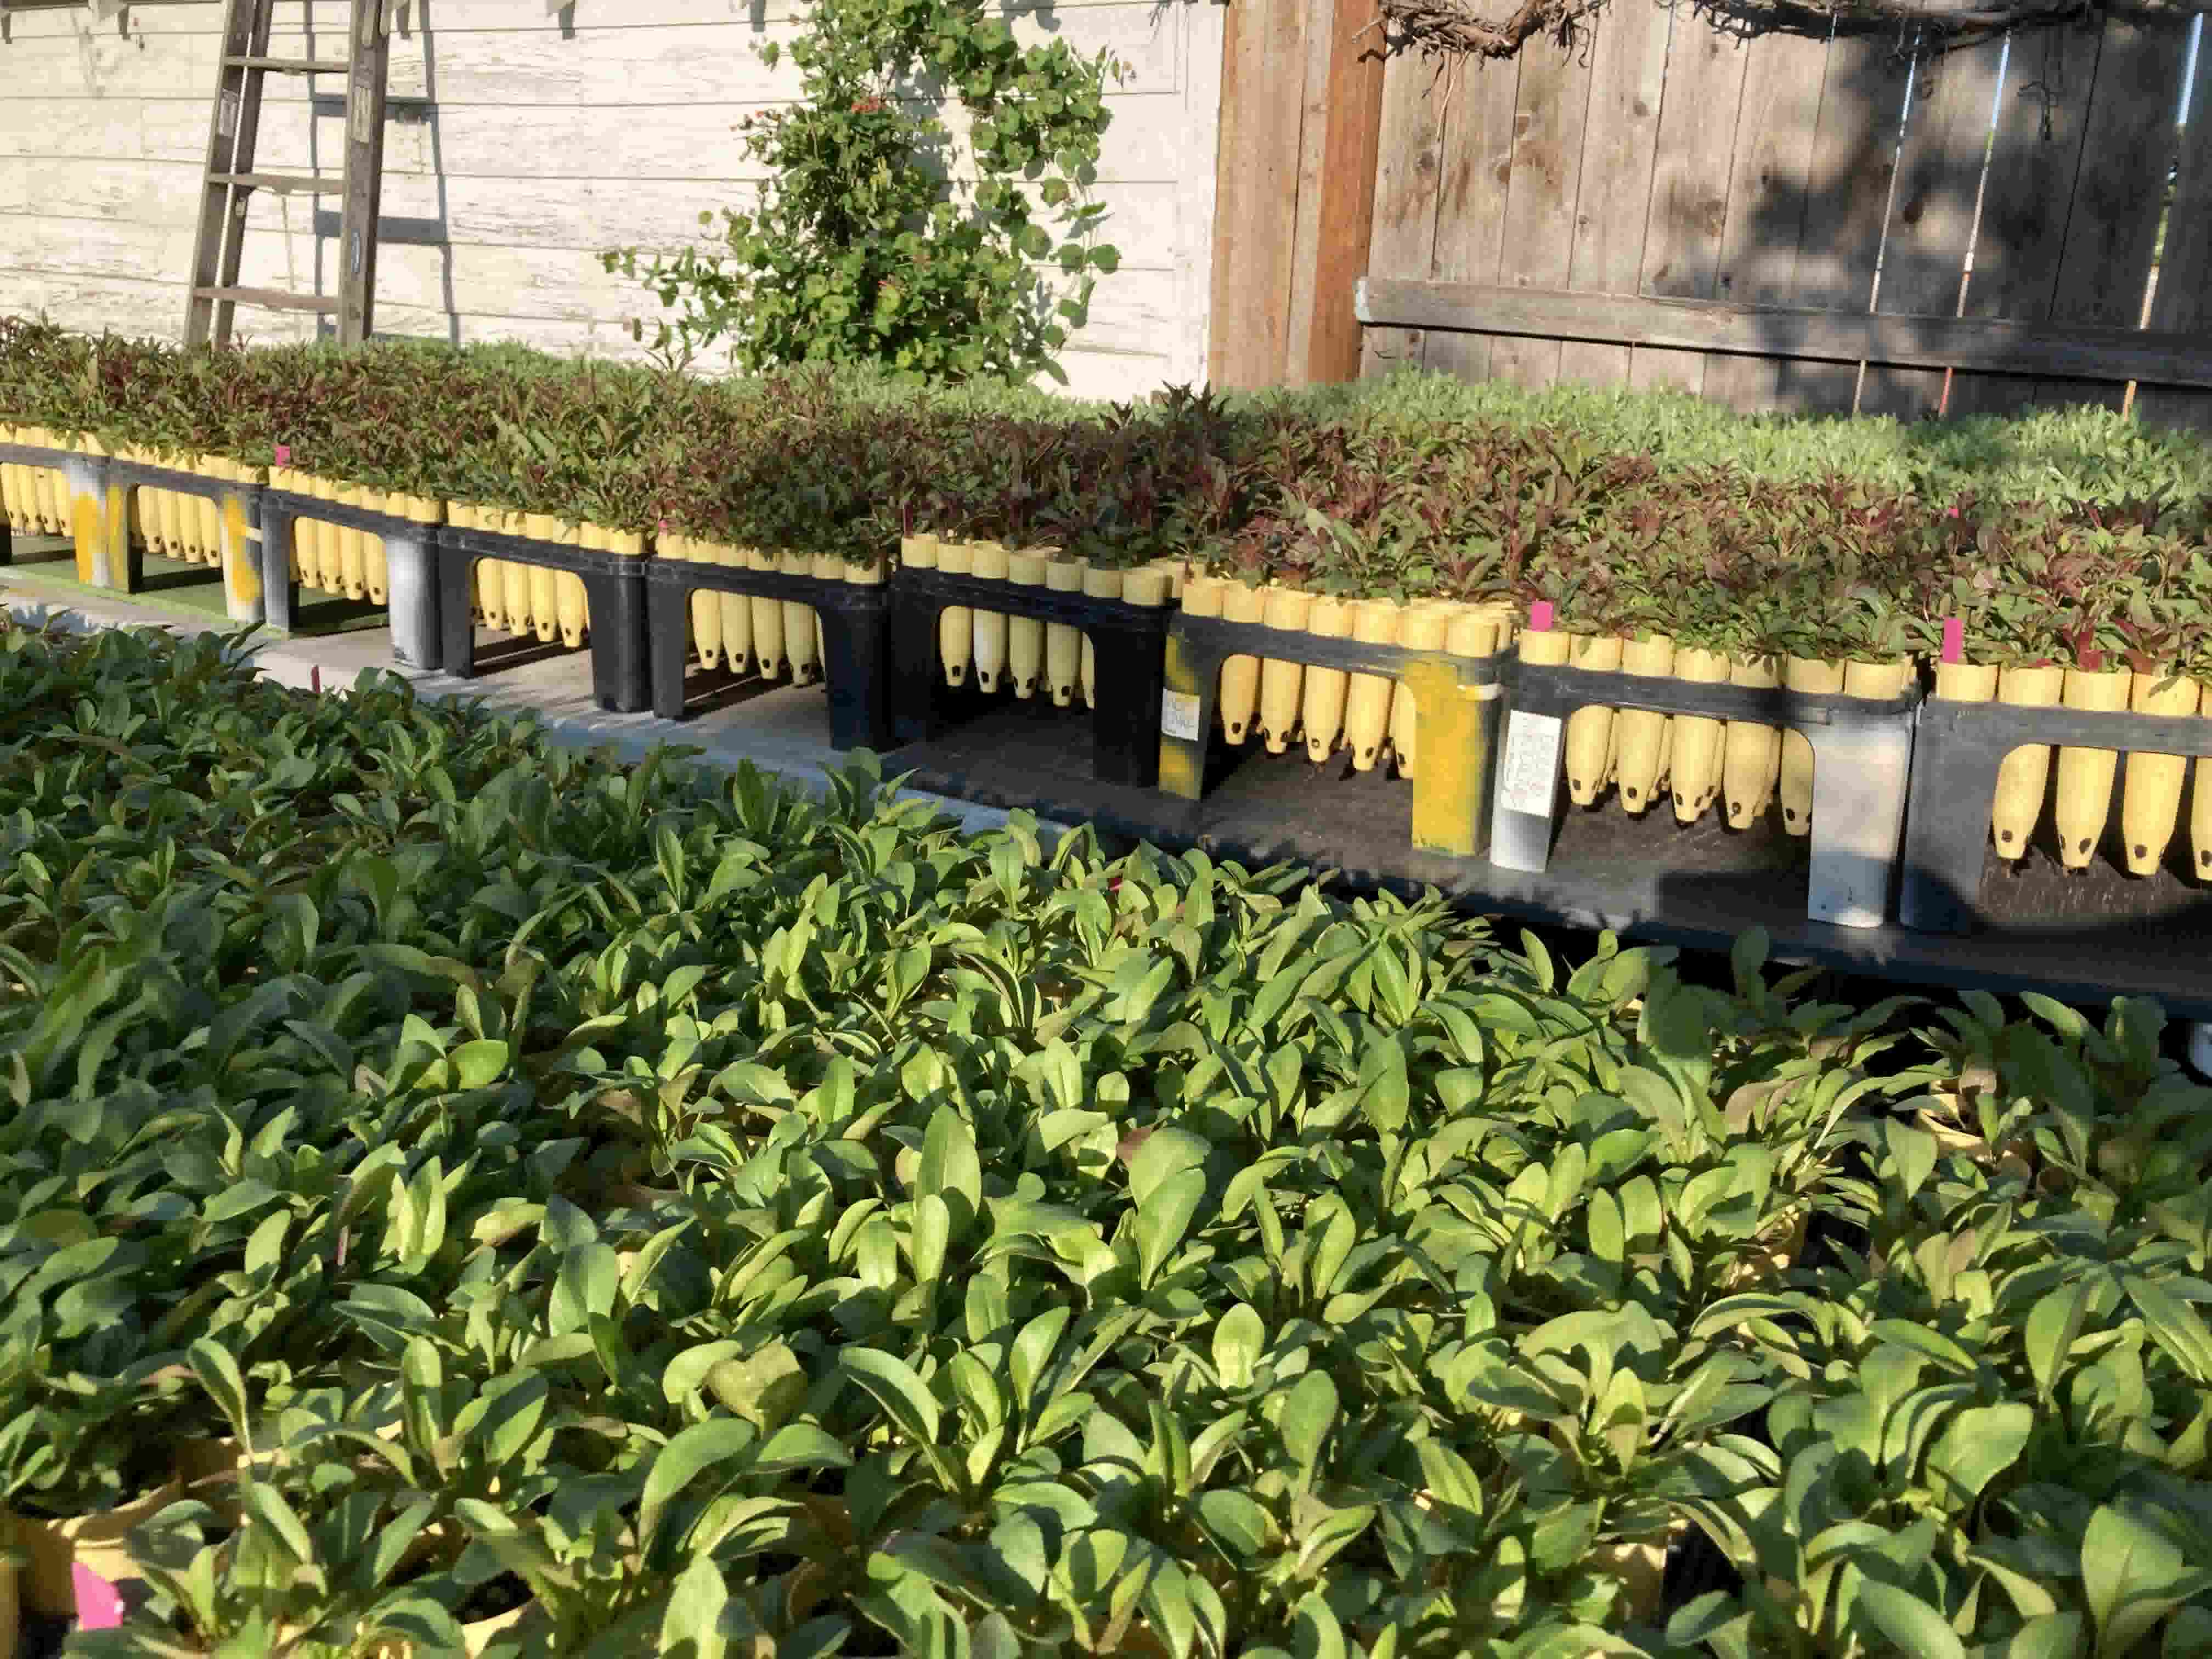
<point x="1179" y="715"/>
<point x="1529" y="774"/>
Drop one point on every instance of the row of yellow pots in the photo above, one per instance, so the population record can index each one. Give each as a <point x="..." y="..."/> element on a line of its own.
<point x="35" y="499"/>
<point x="749" y="634"/>
<point x="1018" y="652"/>
<point x="1695" y="762"/>
<point x="529" y="601"/>
<point x="171" y="524"/>
<point x="337" y="559"/>
<point x="1330" y="708"/>
<point x="2150" y="797"/>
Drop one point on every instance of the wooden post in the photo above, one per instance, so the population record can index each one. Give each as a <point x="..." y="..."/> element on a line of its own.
<point x="1301" y="119"/>
<point x="1347" y="186"/>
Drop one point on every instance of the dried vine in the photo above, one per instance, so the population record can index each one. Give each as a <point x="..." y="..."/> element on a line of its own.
<point x="1449" y="28"/>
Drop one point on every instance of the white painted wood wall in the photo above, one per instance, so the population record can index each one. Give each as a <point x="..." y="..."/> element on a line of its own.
<point x="546" y="139"/>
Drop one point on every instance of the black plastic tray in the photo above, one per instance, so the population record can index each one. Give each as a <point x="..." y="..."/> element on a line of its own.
<point x="614" y="582"/>
<point x="1128" y="645"/>
<point x="1957" y="753"/>
<point x="855" y="623"/>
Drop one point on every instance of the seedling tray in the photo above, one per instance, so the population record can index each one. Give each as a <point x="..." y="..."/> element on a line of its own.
<point x="614" y="583"/>
<point x="38" y="455"/>
<point x="1699" y="886"/>
<point x="1956" y="757"/>
<point x="1457" y="698"/>
<point x="1862" y="752"/>
<point x="1128" y="643"/>
<point x="105" y="556"/>
<point x="855" y="621"/>
<point x="409" y="560"/>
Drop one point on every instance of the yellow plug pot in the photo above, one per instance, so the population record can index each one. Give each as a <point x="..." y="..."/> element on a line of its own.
<point x="1321" y="711"/>
<point x="2150" y="799"/>
<point x="1063" y="644"/>
<point x="1241" y="602"/>
<point x="2085" y="775"/>
<point x="1588" y="745"/>
<point x="1367" y="696"/>
<point x="1025" y="634"/>
<point x="955" y="623"/>
<point x="1282" y="683"/>
<point x="1751" y="752"/>
<point x="987" y="562"/>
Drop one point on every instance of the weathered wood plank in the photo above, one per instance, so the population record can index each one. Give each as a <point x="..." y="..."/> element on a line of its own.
<point x="1408" y="173"/>
<point x="2111" y="232"/>
<point x="1767" y="193"/>
<point x="2183" y="302"/>
<point x="539" y="64"/>
<point x="2082" y="351"/>
<point x="1143" y="220"/>
<point x="1550" y="121"/>
<point x="564" y="284"/>
<point x="2034" y="159"/>
<point x="1628" y="78"/>
<point x="1354" y="121"/>
<point x="1947" y="144"/>
<point x="1477" y="150"/>
<point x="329" y="17"/>
<point x="1846" y="205"/>
<point x="523" y="141"/>
<point x="1683" y="235"/>
<point x="1256" y="194"/>
<point x="1310" y="75"/>
<point x="1206" y="30"/>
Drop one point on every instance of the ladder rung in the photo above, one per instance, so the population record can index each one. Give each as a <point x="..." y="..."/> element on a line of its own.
<point x="308" y="183"/>
<point x="272" y="299"/>
<point x="290" y="65"/>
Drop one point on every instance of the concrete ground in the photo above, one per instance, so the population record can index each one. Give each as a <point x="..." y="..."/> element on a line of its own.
<point x="781" y="729"/>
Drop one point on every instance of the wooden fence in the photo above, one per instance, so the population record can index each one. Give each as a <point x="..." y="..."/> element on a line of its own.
<point x="1786" y="219"/>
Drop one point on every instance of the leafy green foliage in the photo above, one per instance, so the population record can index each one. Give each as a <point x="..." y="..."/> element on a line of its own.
<point x="2069" y="539"/>
<point x="870" y="243"/>
<point x="673" y="1210"/>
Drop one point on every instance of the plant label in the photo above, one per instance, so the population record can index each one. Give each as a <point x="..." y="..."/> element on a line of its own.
<point x="1179" y="715"/>
<point x="1528" y="774"/>
<point x="99" y="1606"/>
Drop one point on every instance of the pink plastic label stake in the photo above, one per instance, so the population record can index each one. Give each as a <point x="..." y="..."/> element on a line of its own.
<point x="1540" y="616"/>
<point x="283" y="454"/>
<point x="98" y="1605"/>
<point x="1955" y="639"/>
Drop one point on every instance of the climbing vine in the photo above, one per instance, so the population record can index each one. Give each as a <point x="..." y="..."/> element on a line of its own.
<point x="883" y="236"/>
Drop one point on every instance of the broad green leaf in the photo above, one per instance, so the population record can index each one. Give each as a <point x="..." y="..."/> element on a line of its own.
<point x="2133" y="1574"/>
<point x="1167" y="1152"/>
<point x="1162" y="1218"/>
<point x="1238" y="1339"/>
<point x="1309" y="1413"/>
<point x="1908" y="1621"/>
<point x="950" y="1169"/>
<point x="696" y="1449"/>
<point x="1979" y="1444"/>
<point x="1237" y="1525"/>
<point x="901" y="1393"/>
<point x="690" y="1625"/>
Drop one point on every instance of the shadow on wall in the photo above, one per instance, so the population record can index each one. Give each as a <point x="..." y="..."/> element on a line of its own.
<point x="415" y="17"/>
<point x="1798" y="162"/>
